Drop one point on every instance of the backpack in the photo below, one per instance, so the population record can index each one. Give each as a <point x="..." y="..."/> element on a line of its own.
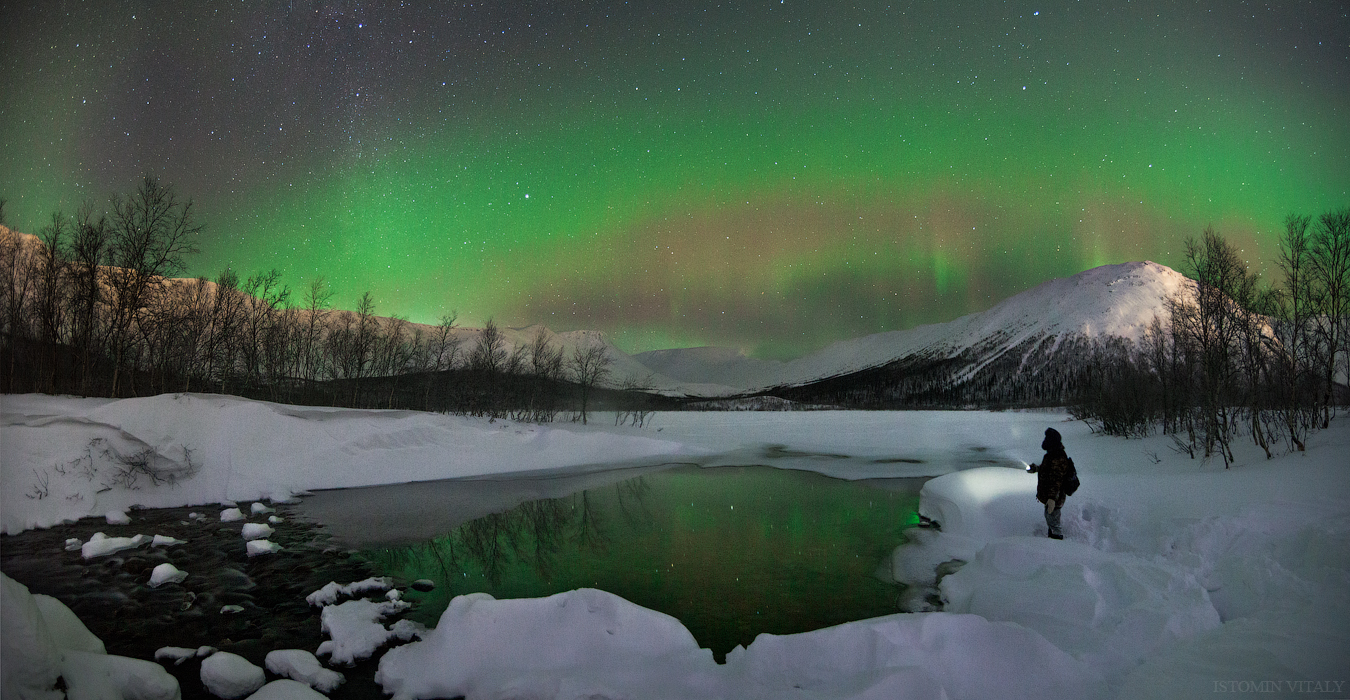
<point x="1071" y="482"/>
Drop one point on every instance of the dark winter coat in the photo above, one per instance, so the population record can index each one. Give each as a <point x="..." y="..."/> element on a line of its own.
<point x="1052" y="475"/>
<point x="1056" y="476"/>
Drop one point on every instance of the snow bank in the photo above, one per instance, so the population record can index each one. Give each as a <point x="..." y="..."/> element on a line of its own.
<point x="67" y="458"/>
<point x="589" y="643"/>
<point x="928" y="655"/>
<point x="864" y="444"/>
<point x="1175" y="574"/>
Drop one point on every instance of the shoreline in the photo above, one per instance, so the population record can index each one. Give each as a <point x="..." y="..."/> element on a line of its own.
<point x="110" y="594"/>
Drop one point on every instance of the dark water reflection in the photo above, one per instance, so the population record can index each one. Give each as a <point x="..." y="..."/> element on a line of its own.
<point x="731" y="552"/>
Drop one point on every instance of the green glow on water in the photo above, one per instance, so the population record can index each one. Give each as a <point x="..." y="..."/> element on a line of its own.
<point x="731" y="552"/>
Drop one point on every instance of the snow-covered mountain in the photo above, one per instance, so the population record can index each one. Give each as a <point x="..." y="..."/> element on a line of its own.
<point x="1112" y="300"/>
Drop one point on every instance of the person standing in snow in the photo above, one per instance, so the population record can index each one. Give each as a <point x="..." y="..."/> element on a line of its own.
<point x="1056" y="480"/>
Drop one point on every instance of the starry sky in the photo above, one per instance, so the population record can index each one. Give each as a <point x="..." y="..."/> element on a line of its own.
<point x="767" y="175"/>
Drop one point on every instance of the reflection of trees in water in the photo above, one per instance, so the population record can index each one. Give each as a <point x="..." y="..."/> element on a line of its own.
<point x="533" y="533"/>
<point x="632" y="497"/>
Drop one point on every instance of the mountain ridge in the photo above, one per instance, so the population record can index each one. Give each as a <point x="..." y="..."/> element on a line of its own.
<point x="1111" y="300"/>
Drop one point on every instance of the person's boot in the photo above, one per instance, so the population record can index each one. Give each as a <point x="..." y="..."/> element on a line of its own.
<point x="1056" y="537"/>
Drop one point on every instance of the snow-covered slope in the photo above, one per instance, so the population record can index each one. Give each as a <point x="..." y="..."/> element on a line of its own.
<point x="1112" y="300"/>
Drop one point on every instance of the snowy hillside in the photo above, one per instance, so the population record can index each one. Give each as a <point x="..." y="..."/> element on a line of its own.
<point x="1112" y="300"/>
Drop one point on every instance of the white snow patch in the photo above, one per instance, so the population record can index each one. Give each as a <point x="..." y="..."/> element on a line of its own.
<point x="231" y="515"/>
<point x="118" y="517"/>
<point x="257" y="547"/>
<point x="355" y="629"/>
<point x="101" y="545"/>
<point x="332" y="590"/>
<point x="257" y="531"/>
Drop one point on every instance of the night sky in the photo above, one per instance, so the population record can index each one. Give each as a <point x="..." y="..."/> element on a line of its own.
<point x="767" y="175"/>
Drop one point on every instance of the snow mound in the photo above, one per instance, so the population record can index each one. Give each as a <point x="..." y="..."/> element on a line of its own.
<point x="230" y="676"/>
<point x="1110" y="608"/>
<point x="355" y="629"/>
<point x="118" y="517"/>
<point x="927" y="655"/>
<point x="231" y="515"/>
<point x="577" y="644"/>
<point x="300" y="665"/>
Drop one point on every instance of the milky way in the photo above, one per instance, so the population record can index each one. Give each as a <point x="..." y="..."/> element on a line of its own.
<point x="772" y="175"/>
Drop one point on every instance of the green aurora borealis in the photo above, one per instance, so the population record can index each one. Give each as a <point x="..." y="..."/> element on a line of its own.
<point x="772" y="175"/>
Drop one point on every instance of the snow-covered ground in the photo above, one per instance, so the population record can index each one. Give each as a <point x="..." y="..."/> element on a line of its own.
<point x="1177" y="578"/>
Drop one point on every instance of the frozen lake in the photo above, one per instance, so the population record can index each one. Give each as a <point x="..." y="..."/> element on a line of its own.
<point x="730" y="551"/>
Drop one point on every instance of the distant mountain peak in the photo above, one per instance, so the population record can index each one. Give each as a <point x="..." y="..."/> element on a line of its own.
<point x="1111" y="300"/>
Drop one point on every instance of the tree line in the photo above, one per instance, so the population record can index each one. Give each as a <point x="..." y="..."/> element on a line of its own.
<point x="1232" y="356"/>
<point x="93" y="307"/>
